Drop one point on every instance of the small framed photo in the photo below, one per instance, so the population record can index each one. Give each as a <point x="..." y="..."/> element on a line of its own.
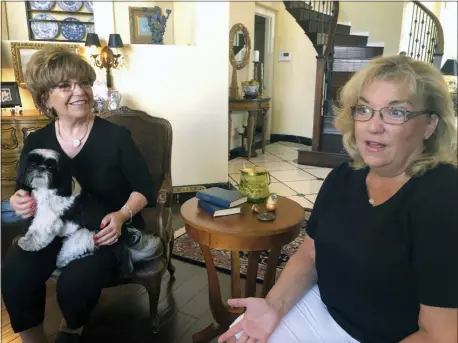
<point x="140" y="32"/>
<point x="10" y="95"/>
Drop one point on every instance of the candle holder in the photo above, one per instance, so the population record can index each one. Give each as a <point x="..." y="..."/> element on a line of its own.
<point x="255" y="70"/>
<point x="261" y="82"/>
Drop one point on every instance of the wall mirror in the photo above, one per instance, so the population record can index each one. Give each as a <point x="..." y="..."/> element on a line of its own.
<point x="239" y="46"/>
<point x="239" y="53"/>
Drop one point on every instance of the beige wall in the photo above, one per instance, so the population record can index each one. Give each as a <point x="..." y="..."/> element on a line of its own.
<point x="4" y="21"/>
<point x="293" y="82"/>
<point x="170" y="81"/>
<point x="381" y="19"/>
<point x="448" y="18"/>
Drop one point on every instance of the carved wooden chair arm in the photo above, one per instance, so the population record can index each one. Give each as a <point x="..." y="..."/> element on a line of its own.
<point x="164" y="196"/>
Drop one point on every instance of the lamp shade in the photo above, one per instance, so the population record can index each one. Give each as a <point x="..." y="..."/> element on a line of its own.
<point x="450" y="68"/>
<point x="115" y="41"/>
<point x="92" y="39"/>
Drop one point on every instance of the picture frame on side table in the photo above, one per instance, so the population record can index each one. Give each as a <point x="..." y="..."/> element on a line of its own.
<point x="22" y="51"/>
<point x="10" y="95"/>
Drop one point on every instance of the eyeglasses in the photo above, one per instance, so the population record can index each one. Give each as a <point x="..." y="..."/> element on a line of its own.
<point x="389" y="115"/>
<point x="68" y="86"/>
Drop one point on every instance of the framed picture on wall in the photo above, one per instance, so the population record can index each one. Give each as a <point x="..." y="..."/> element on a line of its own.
<point x="10" y="95"/>
<point x="22" y="51"/>
<point x="140" y="32"/>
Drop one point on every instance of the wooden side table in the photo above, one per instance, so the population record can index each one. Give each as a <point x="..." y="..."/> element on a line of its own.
<point x="253" y="107"/>
<point x="236" y="233"/>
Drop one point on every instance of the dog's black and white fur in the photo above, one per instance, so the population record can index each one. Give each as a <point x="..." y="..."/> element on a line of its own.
<point x="58" y="213"/>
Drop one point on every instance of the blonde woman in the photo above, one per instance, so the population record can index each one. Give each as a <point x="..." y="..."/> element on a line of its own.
<point x="380" y="260"/>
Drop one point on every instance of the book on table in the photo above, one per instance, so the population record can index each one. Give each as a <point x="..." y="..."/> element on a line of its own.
<point x="223" y="198"/>
<point x="217" y="211"/>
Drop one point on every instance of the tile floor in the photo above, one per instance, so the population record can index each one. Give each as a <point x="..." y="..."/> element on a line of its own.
<point x="298" y="182"/>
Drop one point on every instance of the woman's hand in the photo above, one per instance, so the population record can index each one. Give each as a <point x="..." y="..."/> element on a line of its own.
<point x="23" y="204"/>
<point x="258" y="323"/>
<point x="111" y="229"/>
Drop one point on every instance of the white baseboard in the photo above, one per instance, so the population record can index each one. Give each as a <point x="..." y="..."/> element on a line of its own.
<point x="376" y="44"/>
<point x="360" y="33"/>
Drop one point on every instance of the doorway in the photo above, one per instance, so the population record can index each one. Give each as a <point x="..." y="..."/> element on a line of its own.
<point x="264" y="33"/>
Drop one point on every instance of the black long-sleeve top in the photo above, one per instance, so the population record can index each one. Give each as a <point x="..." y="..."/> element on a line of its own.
<point x="109" y="165"/>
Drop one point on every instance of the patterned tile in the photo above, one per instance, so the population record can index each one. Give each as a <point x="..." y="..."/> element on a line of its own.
<point x="302" y="201"/>
<point x="287" y="156"/>
<point x="264" y="158"/>
<point x="292" y="175"/>
<point x="238" y="160"/>
<point x="281" y="189"/>
<point x="319" y="172"/>
<point x="236" y="177"/>
<point x="311" y="197"/>
<point x="280" y="149"/>
<point x="305" y="187"/>
<point x="276" y="166"/>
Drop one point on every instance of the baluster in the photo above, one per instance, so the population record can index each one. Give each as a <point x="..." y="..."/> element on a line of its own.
<point x="422" y="44"/>
<point x="411" y="38"/>
<point x="417" y="27"/>
<point x="429" y="28"/>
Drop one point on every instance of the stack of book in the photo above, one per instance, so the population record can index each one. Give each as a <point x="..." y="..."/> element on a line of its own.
<point x="220" y="202"/>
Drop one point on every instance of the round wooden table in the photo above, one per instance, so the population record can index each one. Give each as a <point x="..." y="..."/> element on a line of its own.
<point x="240" y="232"/>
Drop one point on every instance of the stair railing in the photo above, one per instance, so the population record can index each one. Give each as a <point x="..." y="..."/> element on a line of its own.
<point x="426" y="37"/>
<point x="323" y="81"/>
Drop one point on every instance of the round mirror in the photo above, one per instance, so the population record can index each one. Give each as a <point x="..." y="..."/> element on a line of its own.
<point x="239" y="46"/>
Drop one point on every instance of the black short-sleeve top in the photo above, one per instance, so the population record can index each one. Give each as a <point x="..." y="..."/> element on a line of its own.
<point x="376" y="265"/>
<point x="109" y="165"/>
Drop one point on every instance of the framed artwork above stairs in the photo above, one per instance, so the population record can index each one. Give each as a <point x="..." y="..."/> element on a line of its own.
<point x="340" y="55"/>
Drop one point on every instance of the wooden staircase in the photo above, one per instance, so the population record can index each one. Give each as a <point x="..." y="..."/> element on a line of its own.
<point x="340" y="55"/>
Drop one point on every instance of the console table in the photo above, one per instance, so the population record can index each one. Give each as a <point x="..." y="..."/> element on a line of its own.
<point x="253" y="107"/>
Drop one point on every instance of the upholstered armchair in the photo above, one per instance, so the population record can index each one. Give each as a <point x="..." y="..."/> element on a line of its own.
<point x="153" y="137"/>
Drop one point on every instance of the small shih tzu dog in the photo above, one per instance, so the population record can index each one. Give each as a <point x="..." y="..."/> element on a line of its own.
<point x="76" y="218"/>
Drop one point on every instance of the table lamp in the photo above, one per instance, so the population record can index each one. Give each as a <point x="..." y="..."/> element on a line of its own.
<point x="450" y="72"/>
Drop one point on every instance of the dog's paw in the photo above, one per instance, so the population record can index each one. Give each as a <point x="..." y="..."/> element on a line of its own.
<point x="28" y="243"/>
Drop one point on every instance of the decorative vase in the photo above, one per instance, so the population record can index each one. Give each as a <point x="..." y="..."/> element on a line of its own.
<point x="157" y="23"/>
<point x="250" y="89"/>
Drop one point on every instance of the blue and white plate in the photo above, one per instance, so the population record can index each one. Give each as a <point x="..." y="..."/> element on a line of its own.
<point x="70" y="6"/>
<point x="88" y="5"/>
<point x="43" y="30"/>
<point x="41" y="5"/>
<point x="73" y="30"/>
<point x="90" y="27"/>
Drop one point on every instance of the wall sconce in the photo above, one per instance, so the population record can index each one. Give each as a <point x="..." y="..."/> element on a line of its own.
<point x="450" y="73"/>
<point x="107" y="58"/>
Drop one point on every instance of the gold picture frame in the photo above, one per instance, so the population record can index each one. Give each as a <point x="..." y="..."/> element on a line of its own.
<point x="139" y="32"/>
<point x="22" y="51"/>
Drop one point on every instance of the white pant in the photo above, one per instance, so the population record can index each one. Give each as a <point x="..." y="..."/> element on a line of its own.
<point x="308" y="322"/>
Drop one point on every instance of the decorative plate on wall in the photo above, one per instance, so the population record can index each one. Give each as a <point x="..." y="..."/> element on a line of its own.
<point x="43" y="30"/>
<point x="72" y="31"/>
<point x="41" y="5"/>
<point x="70" y="6"/>
<point x="90" y="27"/>
<point x="88" y="5"/>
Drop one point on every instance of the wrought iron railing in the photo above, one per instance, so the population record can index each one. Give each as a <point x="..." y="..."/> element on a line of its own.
<point x="426" y="38"/>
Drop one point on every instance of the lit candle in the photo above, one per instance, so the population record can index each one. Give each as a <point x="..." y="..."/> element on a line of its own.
<point x="256" y="56"/>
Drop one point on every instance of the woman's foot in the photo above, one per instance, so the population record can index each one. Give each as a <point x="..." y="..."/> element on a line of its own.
<point x="66" y="337"/>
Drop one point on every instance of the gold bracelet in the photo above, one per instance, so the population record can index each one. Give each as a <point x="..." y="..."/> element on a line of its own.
<point x="130" y="213"/>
